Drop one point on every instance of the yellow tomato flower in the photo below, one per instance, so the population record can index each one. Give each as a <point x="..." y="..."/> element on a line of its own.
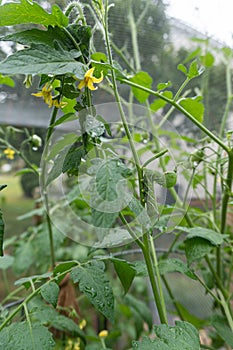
<point x="103" y="334"/>
<point x="82" y="324"/>
<point x="46" y="93"/>
<point x="89" y="80"/>
<point x="9" y="153"/>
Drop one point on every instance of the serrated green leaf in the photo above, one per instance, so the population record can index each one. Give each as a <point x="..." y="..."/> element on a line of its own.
<point x="49" y="292"/>
<point x="30" y="12"/>
<point x="175" y="265"/>
<point x="41" y="312"/>
<point x="196" y="248"/>
<point x="221" y="325"/>
<point x="183" y="336"/>
<point x="6" y="262"/>
<point x="1" y="233"/>
<point x="42" y="59"/>
<point x="143" y="79"/>
<point x="194" y="106"/>
<point x="139" y="212"/>
<point x="125" y="271"/>
<point x="109" y="178"/>
<point x="215" y="238"/>
<point x="94" y="283"/>
<point x="22" y="336"/>
<point x="103" y="219"/>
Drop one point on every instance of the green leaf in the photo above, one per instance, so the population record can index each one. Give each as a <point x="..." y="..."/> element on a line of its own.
<point x="22" y="336"/>
<point x="215" y="238"/>
<point x="93" y="126"/>
<point x="183" y="336"/>
<point x="42" y="59"/>
<point x="44" y="314"/>
<point x="94" y="283"/>
<point x="175" y="265"/>
<point x="2" y="187"/>
<point x="61" y="268"/>
<point x="6" y="262"/>
<point x="162" y="86"/>
<point x="193" y="106"/>
<point x="193" y="70"/>
<point x="221" y="325"/>
<point x="139" y="212"/>
<point x="30" y="12"/>
<point x="109" y="178"/>
<point x="103" y="219"/>
<point x="144" y="79"/>
<point x="66" y="140"/>
<point x="182" y="68"/>
<point x="49" y="292"/>
<point x="4" y="80"/>
<point x="125" y="271"/>
<point x="159" y="103"/>
<point x="73" y="159"/>
<point x="186" y="315"/>
<point x="196" y="248"/>
<point x="1" y="233"/>
<point x="207" y="60"/>
<point x="26" y="281"/>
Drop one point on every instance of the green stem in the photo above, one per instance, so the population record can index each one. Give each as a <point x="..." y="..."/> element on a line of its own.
<point x="181" y="109"/>
<point x="134" y="39"/>
<point x="145" y="247"/>
<point x="160" y="288"/>
<point x="45" y="195"/>
<point x="174" y="302"/>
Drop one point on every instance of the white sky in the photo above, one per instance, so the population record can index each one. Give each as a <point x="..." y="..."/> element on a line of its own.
<point x="211" y="17"/>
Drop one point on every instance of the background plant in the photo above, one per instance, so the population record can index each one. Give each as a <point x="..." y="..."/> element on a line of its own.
<point x="63" y="55"/>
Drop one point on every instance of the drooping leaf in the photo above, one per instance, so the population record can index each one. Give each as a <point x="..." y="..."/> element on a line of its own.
<point x="42" y="59"/>
<point x="1" y="233"/>
<point x="48" y="316"/>
<point x="66" y="140"/>
<point x="145" y="80"/>
<point x="193" y="106"/>
<point x="19" y="336"/>
<point x="49" y="292"/>
<point x="215" y="238"/>
<point x="221" y="325"/>
<point x="175" y="265"/>
<point x="183" y="336"/>
<point x="30" y="12"/>
<point x="125" y="271"/>
<point x="73" y="159"/>
<point x="94" y="283"/>
<point x="26" y="281"/>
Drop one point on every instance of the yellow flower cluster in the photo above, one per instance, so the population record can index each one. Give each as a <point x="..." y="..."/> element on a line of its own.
<point x="73" y="346"/>
<point x="46" y="93"/>
<point x="9" y="153"/>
